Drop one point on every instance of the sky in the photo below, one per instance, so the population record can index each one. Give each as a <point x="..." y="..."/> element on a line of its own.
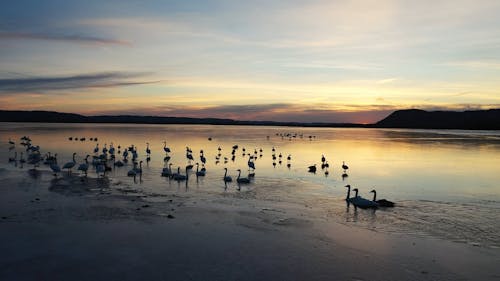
<point x="307" y="61"/>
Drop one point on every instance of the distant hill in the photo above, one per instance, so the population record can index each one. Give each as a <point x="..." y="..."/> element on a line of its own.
<point x="57" y="117"/>
<point x="421" y="119"/>
<point x="412" y="118"/>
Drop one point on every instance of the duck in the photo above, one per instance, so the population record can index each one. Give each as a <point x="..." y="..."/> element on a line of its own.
<point x="344" y="166"/>
<point x="312" y="169"/>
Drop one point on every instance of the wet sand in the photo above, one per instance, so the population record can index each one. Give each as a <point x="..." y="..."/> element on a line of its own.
<point x="66" y="229"/>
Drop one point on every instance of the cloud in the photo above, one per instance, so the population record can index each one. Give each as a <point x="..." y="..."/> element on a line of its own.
<point x="58" y="37"/>
<point x="475" y="64"/>
<point x="95" y="80"/>
<point x="284" y="112"/>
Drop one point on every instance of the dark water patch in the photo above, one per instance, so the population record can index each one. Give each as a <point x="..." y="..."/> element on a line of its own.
<point x="75" y="185"/>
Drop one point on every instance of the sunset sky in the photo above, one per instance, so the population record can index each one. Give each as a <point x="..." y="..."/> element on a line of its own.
<point x="326" y="61"/>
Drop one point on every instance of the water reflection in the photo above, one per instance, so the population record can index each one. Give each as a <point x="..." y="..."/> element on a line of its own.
<point x="444" y="169"/>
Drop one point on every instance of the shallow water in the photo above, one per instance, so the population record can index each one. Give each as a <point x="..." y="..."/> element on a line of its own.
<point x="445" y="182"/>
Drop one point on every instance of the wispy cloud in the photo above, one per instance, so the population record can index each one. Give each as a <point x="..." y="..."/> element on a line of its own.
<point x="62" y="37"/>
<point x="95" y="80"/>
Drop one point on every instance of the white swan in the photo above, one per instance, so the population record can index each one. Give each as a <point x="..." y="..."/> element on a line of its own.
<point x="167" y="171"/>
<point x="84" y="167"/>
<point x="198" y="172"/>
<point x="381" y="202"/>
<point x="71" y="164"/>
<point x="240" y="179"/>
<point x="226" y="177"/>
<point x="179" y="176"/>
<point x="348" y="197"/>
<point x="54" y="167"/>
<point x="361" y="202"/>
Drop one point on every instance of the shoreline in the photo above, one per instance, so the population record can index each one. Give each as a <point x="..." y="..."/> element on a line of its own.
<point x="105" y="232"/>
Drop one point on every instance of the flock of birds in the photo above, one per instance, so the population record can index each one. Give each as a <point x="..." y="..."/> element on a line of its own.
<point x="102" y="157"/>
<point x="361" y="202"/>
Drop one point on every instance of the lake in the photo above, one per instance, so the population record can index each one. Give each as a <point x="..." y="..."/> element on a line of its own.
<point x="445" y="182"/>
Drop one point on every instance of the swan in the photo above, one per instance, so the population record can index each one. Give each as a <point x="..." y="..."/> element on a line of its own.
<point x="100" y="168"/>
<point x="84" y="167"/>
<point x="34" y="159"/>
<point x="381" y="202"/>
<point x="167" y="171"/>
<point x="240" y="179"/>
<point x="134" y="171"/>
<point x="55" y="168"/>
<point x="139" y="170"/>
<point x="361" y="202"/>
<point x="179" y="176"/>
<point x="199" y="173"/>
<point x="71" y="164"/>
<point x="131" y="173"/>
<point x="348" y="197"/>
<point x="117" y="163"/>
<point x="226" y="177"/>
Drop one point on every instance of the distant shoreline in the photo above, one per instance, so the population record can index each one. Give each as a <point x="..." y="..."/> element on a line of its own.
<point x="404" y="119"/>
<point x="58" y="117"/>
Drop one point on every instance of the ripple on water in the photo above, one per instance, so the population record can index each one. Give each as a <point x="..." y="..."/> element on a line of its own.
<point x="401" y="163"/>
